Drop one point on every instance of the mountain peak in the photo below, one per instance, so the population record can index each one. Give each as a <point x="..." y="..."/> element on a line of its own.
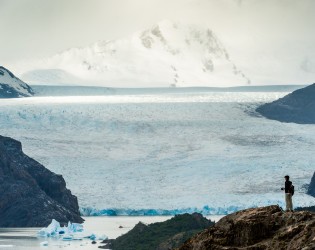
<point x="166" y="54"/>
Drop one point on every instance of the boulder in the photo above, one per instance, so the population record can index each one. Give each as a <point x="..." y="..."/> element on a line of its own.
<point x="30" y="194"/>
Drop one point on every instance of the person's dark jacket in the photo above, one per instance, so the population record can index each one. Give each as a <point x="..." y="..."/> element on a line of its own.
<point x="287" y="186"/>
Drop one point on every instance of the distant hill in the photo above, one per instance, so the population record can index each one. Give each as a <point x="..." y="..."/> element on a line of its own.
<point x="11" y="86"/>
<point x="297" y="107"/>
<point x="162" y="235"/>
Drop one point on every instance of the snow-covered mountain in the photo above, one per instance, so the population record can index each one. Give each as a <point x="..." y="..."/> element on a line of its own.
<point x="11" y="86"/>
<point x="167" y="54"/>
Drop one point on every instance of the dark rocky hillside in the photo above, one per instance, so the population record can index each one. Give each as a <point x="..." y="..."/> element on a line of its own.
<point x="297" y="107"/>
<point x="162" y="235"/>
<point x="11" y="86"/>
<point x="310" y="191"/>
<point x="258" y="228"/>
<point x="30" y="194"/>
<point x="311" y="188"/>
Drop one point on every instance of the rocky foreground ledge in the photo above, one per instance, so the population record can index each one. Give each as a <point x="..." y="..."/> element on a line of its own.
<point x="30" y="194"/>
<point x="258" y="228"/>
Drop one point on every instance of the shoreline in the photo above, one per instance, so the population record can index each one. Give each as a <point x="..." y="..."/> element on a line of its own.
<point x="26" y="238"/>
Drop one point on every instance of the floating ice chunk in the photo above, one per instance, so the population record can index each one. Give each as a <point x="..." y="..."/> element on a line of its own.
<point x="102" y="237"/>
<point x="75" y="227"/>
<point x="67" y="237"/>
<point x="99" y="237"/>
<point x="73" y="231"/>
<point x="52" y="229"/>
<point x="77" y="238"/>
<point x="44" y="243"/>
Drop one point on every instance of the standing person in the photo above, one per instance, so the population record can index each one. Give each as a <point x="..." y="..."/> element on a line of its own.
<point x="288" y="193"/>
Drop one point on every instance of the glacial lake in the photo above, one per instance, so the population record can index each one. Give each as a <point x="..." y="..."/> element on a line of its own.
<point x="26" y="238"/>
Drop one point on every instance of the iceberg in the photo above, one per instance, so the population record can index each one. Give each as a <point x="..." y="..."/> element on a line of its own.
<point x="73" y="231"/>
<point x="44" y="243"/>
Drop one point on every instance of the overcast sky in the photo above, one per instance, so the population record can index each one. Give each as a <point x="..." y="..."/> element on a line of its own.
<point x="252" y="30"/>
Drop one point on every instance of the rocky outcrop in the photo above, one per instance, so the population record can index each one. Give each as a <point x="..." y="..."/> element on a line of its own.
<point x="11" y="86"/>
<point x="258" y="228"/>
<point x="30" y="194"/>
<point x="298" y="107"/>
<point x="162" y="235"/>
<point x="311" y="187"/>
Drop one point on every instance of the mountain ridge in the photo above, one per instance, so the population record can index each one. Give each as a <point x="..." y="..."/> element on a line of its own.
<point x="168" y="54"/>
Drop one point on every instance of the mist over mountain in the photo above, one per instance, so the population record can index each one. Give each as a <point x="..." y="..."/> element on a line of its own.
<point x="167" y="54"/>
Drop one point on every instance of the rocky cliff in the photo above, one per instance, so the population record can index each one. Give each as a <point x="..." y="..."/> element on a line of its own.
<point x="11" y="86"/>
<point x="30" y="194"/>
<point x="298" y="107"/>
<point x="311" y="188"/>
<point x="258" y="228"/>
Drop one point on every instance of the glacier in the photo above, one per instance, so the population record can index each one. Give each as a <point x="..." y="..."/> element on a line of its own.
<point x="164" y="153"/>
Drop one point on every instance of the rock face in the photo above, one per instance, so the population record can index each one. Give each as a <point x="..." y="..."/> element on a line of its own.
<point x="258" y="228"/>
<point x="311" y="188"/>
<point x="30" y="194"/>
<point x="298" y="107"/>
<point x="11" y="86"/>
